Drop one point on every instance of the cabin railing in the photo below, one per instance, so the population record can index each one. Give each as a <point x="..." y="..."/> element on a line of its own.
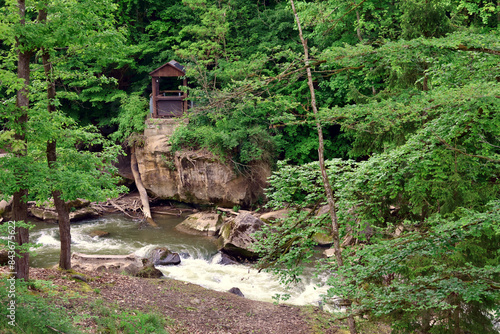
<point x="169" y="103"/>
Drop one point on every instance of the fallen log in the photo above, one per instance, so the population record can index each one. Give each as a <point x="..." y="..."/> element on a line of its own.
<point x="140" y="187"/>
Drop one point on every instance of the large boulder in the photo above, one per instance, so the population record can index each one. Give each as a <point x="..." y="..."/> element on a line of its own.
<point x="196" y="177"/>
<point x="323" y="239"/>
<point x="236" y="291"/>
<point x="236" y="236"/>
<point x="226" y="259"/>
<point x="201" y="223"/>
<point x="161" y="256"/>
<point x="129" y="264"/>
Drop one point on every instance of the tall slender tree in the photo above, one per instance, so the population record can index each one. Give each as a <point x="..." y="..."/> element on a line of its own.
<point x="60" y="205"/>
<point x="19" y="204"/>
<point x="321" y="148"/>
<point x="52" y="157"/>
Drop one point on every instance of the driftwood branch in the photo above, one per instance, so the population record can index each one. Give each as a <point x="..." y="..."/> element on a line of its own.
<point x="120" y="208"/>
<point x="229" y="211"/>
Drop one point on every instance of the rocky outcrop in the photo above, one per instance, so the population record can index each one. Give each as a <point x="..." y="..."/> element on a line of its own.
<point x="45" y="214"/>
<point x="236" y="236"/>
<point x="201" y="223"/>
<point x="194" y="176"/>
<point x="80" y="209"/>
<point x="129" y="264"/>
<point x="50" y="214"/>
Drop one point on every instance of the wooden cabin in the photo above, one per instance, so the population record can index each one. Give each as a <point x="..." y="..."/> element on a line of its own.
<point x="166" y="99"/>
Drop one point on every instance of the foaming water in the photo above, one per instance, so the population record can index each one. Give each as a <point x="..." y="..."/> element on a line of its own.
<point x="199" y="256"/>
<point x="254" y="285"/>
<point x="125" y="237"/>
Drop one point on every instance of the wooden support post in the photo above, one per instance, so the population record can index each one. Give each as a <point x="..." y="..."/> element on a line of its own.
<point x="155" y="87"/>
<point x="185" y="102"/>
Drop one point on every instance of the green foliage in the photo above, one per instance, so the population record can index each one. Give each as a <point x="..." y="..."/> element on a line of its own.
<point x="240" y="104"/>
<point x="32" y="313"/>
<point x="421" y="200"/>
<point x="424" y="18"/>
<point x="131" y="118"/>
<point x="408" y="89"/>
<point x="447" y="273"/>
<point x="84" y="46"/>
<point x="442" y="264"/>
<point x="238" y="137"/>
<point x="84" y="157"/>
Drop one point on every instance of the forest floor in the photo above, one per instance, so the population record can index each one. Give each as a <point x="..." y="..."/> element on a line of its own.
<point x="186" y="307"/>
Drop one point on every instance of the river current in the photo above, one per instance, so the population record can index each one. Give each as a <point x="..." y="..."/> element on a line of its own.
<point x="199" y="256"/>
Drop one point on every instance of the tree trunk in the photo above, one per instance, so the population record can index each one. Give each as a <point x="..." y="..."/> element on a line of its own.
<point x="64" y="231"/>
<point x="20" y="214"/>
<point x="326" y="181"/>
<point x="19" y="205"/>
<point x="63" y="215"/>
<point x="140" y="187"/>
<point x="61" y="208"/>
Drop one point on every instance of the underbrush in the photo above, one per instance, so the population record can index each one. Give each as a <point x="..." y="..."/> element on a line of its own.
<point x="30" y="313"/>
<point x="37" y="310"/>
<point x="110" y="320"/>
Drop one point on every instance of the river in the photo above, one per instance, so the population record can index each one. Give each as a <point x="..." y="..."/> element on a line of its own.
<point x="199" y="256"/>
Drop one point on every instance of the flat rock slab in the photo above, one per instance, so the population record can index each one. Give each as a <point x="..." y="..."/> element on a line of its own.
<point x="201" y="223"/>
<point x="130" y="264"/>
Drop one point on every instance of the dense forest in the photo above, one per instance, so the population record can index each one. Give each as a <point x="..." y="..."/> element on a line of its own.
<point x="408" y="100"/>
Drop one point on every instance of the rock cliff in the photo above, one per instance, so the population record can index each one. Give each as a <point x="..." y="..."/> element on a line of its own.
<point x="194" y="176"/>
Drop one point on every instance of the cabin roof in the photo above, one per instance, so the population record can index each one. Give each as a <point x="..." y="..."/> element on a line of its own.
<point x="170" y="69"/>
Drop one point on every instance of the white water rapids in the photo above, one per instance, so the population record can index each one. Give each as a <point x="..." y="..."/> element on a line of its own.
<point x="199" y="257"/>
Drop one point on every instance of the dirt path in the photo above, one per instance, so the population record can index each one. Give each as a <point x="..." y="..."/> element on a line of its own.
<point x="188" y="307"/>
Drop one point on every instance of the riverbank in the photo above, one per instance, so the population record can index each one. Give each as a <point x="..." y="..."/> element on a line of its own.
<point x="185" y="307"/>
